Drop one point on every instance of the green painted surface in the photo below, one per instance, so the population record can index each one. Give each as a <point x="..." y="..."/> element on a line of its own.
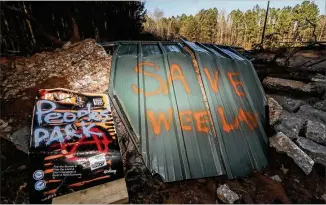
<point x="244" y="148"/>
<point x="181" y="136"/>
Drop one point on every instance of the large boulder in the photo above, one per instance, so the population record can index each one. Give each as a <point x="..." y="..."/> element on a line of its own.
<point x="316" y="151"/>
<point x="283" y="144"/>
<point x="316" y="131"/>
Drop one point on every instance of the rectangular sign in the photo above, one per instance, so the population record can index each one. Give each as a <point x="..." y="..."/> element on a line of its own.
<point x="73" y="145"/>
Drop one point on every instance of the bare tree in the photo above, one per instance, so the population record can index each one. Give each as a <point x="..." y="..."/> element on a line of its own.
<point x="39" y="29"/>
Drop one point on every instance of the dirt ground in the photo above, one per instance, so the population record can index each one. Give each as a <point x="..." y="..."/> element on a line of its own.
<point x="296" y="187"/>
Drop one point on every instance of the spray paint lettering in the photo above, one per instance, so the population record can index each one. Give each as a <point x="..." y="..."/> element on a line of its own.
<point x="70" y="131"/>
<point x="175" y="74"/>
<point x="47" y="115"/>
<point x="199" y="119"/>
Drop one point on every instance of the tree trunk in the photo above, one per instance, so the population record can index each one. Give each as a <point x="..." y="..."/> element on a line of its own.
<point x="39" y="28"/>
<point x="75" y="32"/>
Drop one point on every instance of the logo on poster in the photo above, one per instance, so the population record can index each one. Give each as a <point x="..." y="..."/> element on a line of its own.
<point x="40" y="185"/>
<point x="38" y="174"/>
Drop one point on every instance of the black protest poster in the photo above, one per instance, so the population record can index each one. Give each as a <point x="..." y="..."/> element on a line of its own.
<point x="73" y="144"/>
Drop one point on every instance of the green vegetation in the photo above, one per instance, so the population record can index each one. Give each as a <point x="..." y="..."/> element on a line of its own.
<point x="287" y="26"/>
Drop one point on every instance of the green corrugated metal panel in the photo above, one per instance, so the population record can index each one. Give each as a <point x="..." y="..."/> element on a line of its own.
<point x="158" y="90"/>
<point x="242" y="149"/>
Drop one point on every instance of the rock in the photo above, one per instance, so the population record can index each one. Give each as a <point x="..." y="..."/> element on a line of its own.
<point x="291" y="105"/>
<point x="21" y="138"/>
<point x="21" y="168"/>
<point x="280" y="84"/>
<point x="316" y="131"/>
<point x="318" y="77"/>
<point x="315" y="87"/>
<point x="66" y="45"/>
<point x="274" y="110"/>
<point x="201" y="180"/>
<point x="286" y="85"/>
<point x="283" y="169"/>
<point x="3" y="125"/>
<point x="315" y="151"/>
<point x="276" y="178"/>
<point x="290" y="125"/>
<point x="321" y="105"/>
<point x="311" y="113"/>
<point x="283" y="144"/>
<point x="7" y="129"/>
<point x="226" y="195"/>
<point x="323" y="196"/>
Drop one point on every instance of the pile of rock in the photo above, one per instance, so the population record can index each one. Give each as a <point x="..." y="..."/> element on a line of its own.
<point x="300" y="130"/>
<point x="297" y="100"/>
<point x="84" y="66"/>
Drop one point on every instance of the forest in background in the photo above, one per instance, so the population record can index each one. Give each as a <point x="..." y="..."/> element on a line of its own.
<point x="289" y="26"/>
<point x="32" y="26"/>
